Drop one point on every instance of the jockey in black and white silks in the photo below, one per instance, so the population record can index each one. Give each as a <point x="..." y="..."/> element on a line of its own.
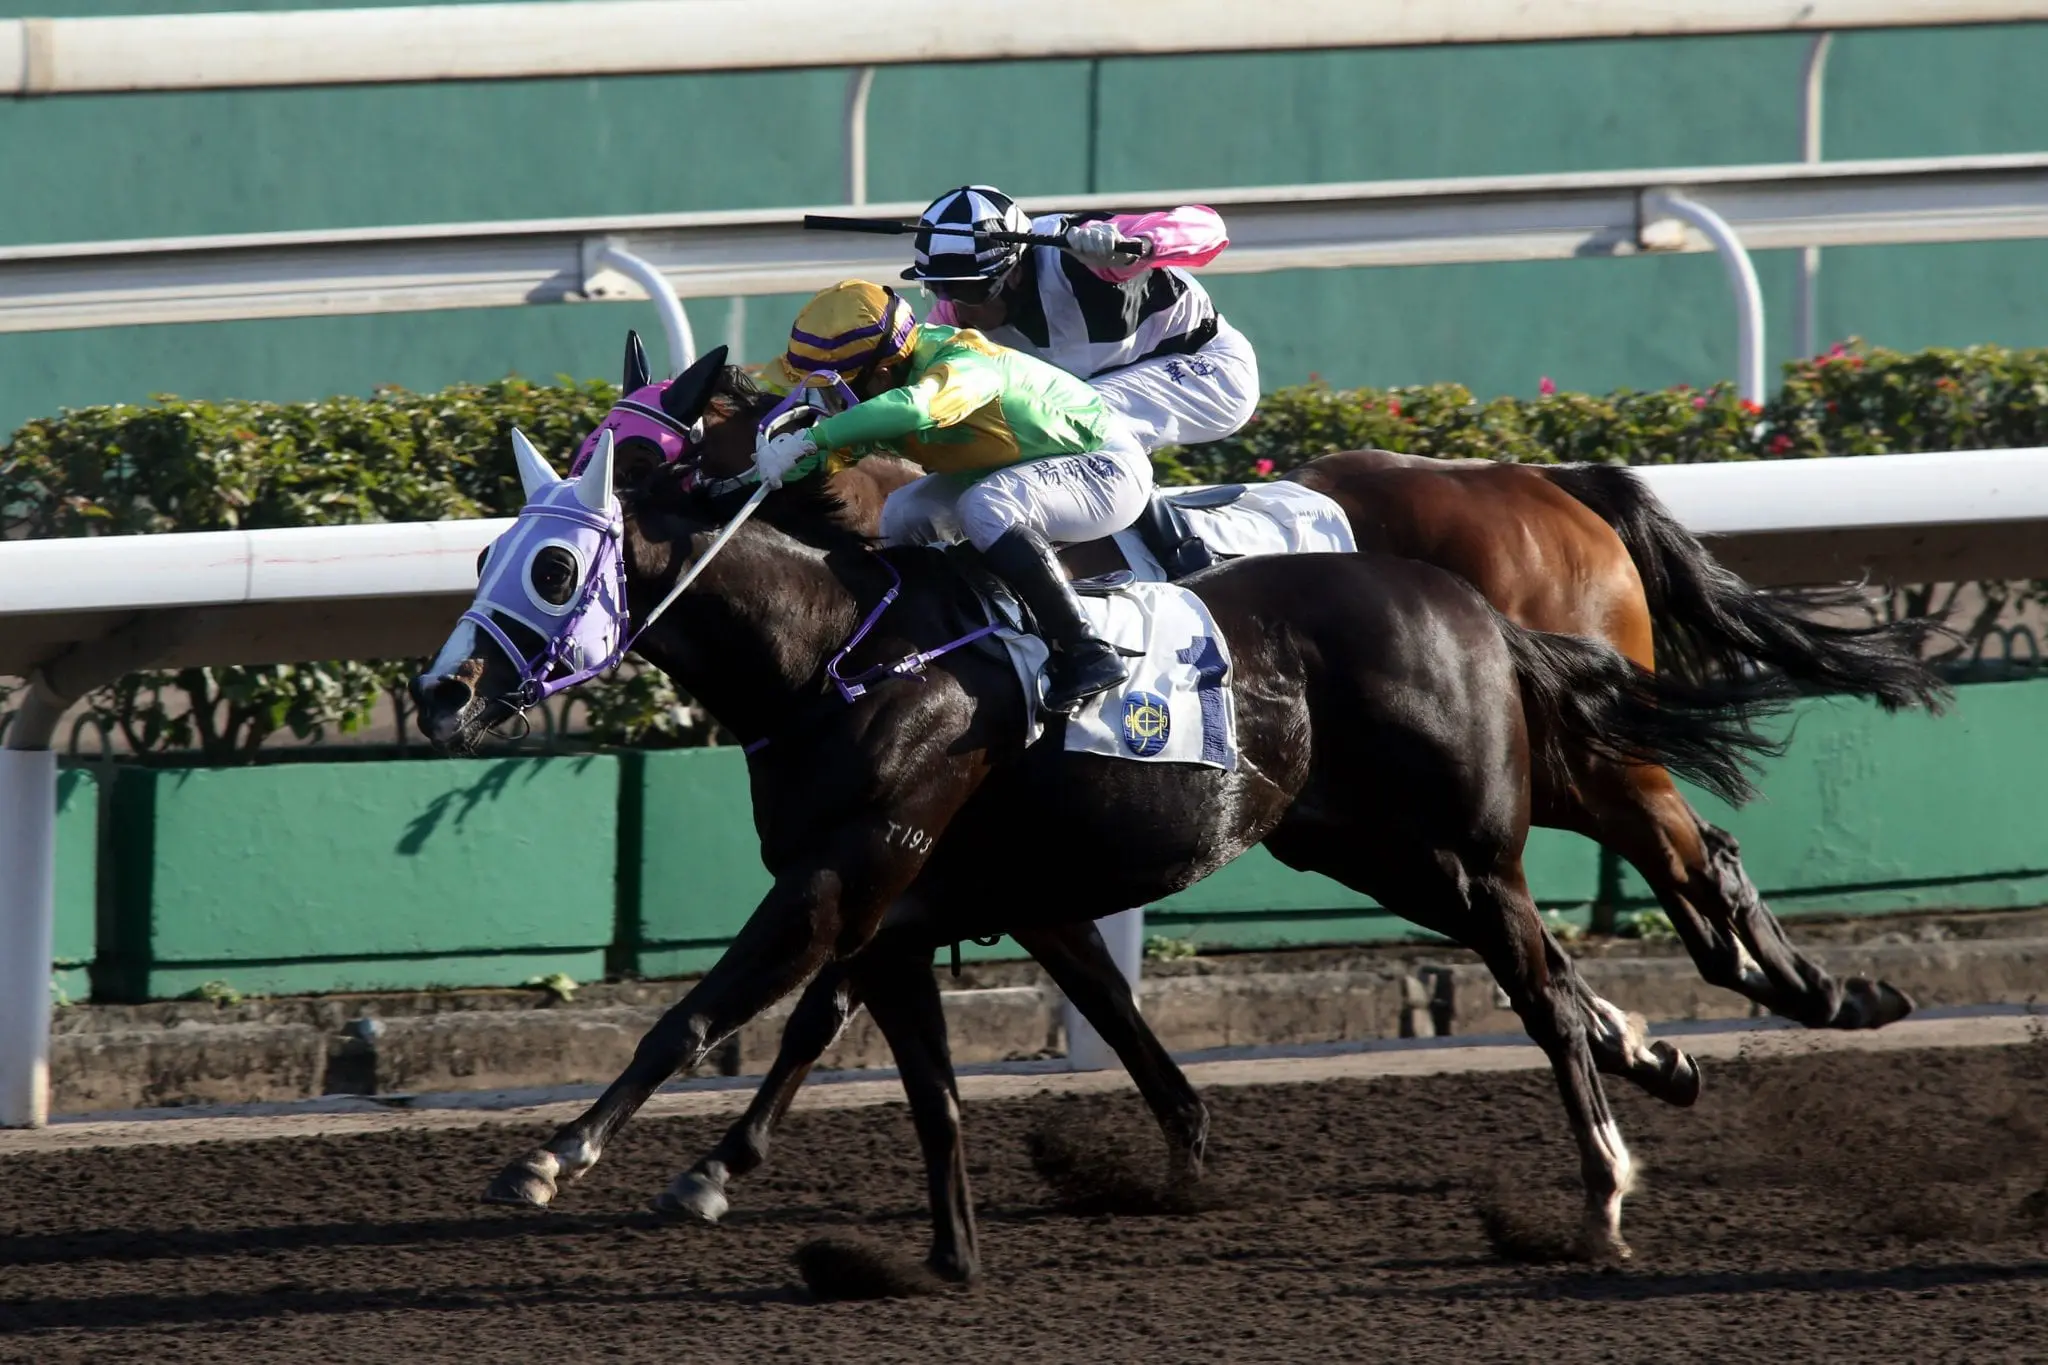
<point x="1143" y="332"/>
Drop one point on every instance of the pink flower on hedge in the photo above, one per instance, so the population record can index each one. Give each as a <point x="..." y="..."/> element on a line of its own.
<point x="1264" y="466"/>
<point x="1394" y="406"/>
<point x="1751" y="407"/>
<point x="1546" y="386"/>
<point x="1780" y="443"/>
<point x="1699" y="400"/>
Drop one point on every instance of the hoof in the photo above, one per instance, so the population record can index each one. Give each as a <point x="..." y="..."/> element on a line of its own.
<point x="1870" y="1004"/>
<point x="692" y="1196"/>
<point x="952" y="1269"/>
<point x="1605" y="1250"/>
<point x="1680" y="1083"/>
<point x="527" y="1183"/>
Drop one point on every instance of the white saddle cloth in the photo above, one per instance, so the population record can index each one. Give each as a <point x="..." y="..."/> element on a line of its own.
<point x="1176" y="706"/>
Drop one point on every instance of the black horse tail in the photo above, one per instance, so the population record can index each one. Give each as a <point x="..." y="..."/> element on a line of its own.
<point x="1710" y="625"/>
<point x="1582" y="694"/>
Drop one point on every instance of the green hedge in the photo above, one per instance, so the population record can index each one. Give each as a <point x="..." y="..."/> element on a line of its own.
<point x="1856" y="400"/>
<point x="398" y="456"/>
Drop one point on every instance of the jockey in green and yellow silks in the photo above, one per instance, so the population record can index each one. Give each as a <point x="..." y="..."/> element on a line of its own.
<point x="1022" y="455"/>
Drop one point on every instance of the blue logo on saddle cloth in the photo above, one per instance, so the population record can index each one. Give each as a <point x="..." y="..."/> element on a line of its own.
<point x="1147" y="723"/>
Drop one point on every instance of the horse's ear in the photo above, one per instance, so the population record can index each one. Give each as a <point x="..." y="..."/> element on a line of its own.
<point x="690" y="392"/>
<point x="637" y="377"/>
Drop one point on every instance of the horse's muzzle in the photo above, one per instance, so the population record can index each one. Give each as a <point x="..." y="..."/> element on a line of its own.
<point x="442" y="705"/>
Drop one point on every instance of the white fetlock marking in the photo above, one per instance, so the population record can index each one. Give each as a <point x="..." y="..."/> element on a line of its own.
<point x="1746" y="967"/>
<point x="1623" y="1167"/>
<point x="1622" y="1030"/>
<point x="546" y="1164"/>
<point x="576" y="1158"/>
<point x="1608" y="1135"/>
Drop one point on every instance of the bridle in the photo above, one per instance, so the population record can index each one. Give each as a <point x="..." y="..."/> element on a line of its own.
<point x="539" y="673"/>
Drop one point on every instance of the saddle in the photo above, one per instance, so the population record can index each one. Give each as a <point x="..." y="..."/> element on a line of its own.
<point x="1166" y="532"/>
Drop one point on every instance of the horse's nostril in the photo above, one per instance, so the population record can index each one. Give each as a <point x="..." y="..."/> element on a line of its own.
<point x="452" y="693"/>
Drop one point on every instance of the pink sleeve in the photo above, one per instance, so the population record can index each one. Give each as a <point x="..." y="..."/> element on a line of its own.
<point x="942" y="313"/>
<point x="1191" y="236"/>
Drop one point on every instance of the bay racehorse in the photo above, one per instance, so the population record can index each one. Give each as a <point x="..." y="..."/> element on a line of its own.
<point x="1572" y="549"/>
<point x="1389" y="724"/>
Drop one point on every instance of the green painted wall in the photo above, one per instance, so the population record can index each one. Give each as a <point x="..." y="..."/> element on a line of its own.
<point x="156" y="165"/>
<point x="77" y="885"/>
<point x="357" y="876"/>
<point x="698" y="861"/>
<point x="1875" y="812"/>
<point x="344" y="876"/>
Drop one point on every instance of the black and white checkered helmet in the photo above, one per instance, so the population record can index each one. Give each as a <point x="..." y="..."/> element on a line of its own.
<point x="957" y="254"/>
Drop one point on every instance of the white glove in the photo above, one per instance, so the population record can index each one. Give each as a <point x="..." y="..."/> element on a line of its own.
<point x="774" y="459"/>
<point x="1095" y="245"/>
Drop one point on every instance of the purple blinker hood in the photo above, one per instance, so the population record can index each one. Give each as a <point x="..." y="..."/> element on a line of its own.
<point x="586" y="633"/>
<point x="640" y="414"/>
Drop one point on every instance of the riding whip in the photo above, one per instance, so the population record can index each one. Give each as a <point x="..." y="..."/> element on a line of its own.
<point x="895" y="228"/>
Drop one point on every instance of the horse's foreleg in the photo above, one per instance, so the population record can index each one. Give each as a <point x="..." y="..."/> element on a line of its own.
<point x="1080" y="965"/>
<point x="784" y="942"/>
<point x="902" y="995"/>
<point x="820" y="1016"/>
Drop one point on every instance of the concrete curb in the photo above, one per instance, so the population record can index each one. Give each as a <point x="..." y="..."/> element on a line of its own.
<point x="342" y="1115"/>
<point x="151" y="1056"/>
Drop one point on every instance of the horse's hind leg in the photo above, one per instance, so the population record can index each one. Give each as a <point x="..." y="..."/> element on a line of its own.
<point x="1860" y="1001"/>
<point x="816" y="1022"/>
<point x="1617" y="1038"/>
<point x="902" y="997"/>
<point x="1696" y="873"/>
<point x="1503" y="926"/>
<point x="1079" y="963"/>
<point x="1493" y="914"/>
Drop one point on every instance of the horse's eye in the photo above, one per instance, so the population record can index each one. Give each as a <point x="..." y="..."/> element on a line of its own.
<point x="554" y="575"/>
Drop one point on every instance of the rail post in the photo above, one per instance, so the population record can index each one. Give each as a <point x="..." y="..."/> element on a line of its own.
<point x="1812" y="95"/>
<point x="1659" y="209"/>
<point x="609" y="253"/>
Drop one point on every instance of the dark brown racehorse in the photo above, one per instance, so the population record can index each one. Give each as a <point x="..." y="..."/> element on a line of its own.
<point x="1571" y="549"/>
<point x="1389" y="722"/>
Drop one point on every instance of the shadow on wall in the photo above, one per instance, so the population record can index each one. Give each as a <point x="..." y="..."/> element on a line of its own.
<point x="491" y="786"/>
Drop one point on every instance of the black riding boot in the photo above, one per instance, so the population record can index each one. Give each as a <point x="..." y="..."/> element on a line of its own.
<point x="1083" y="663"/>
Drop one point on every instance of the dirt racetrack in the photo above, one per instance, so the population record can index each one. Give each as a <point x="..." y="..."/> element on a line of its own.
<point x="1867" y="1207"/>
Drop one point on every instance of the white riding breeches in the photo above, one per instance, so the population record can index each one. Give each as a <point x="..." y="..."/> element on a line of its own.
<point x="1187" y="399"/>
<point x="1065" y="498"/>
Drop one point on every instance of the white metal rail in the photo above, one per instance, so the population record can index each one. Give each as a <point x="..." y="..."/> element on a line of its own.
<point x="40" y="57"/>
<point x="1417" y="222"/>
